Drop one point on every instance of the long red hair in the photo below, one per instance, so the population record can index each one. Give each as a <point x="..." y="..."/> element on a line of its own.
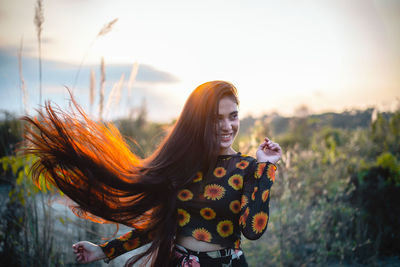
<point x="92" y="164"/>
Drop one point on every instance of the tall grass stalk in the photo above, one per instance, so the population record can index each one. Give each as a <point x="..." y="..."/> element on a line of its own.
<point x="92" y="89"/>
<point x="102" y="88"/>
<point x="132" y="78"/>
<point x="21" y="79"/>
<point x="115" y="95"/>
<point x="38" y="20"/>
<point x="131" y="81"/>
<point x="103" y="31"/>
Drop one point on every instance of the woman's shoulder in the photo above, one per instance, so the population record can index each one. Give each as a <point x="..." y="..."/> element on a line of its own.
<point x="237" y="157"/>
<point x="245" y="156"/>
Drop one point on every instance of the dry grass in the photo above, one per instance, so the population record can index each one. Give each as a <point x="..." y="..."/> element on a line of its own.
<point x="103" y="31"/>
<point x="92" y="89"/>
<point x="115" y="95"/>
<point x="132" y="77"/>
<point x="38" y="20"/>
<point x="22" y="80"/>
<point x="107" y="28"/>
<point x="102" y="88"/>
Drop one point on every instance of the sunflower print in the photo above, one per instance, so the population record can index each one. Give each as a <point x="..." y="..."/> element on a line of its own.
<point x="214" y="192"/>
<point x="109" y="252"/>
<point x="271" y="172"/>
<point x="198" y="177"/>
<point x="225" y="228"/>
<point x="185" y="195"/>
<point x="259" y="222"/>
<point x="131" y="244"/>
<point x="243" y="217"/>
<point x="234" y="206"/>
<point x="207" y="213"/>
<point x="219" y="172"/>
<point x="243" y="201"/>
<point x="225" y="224"/>
<point x="242" y="222"/>
<point x="264" y="195"/>
<point x="126" y="236"/>
<point x="104" y="245"/>
<point x="260" y="169"/>
<point x="236" y="181"/>
<point x="202" y="234"/>
<point x="253" y="195"/>
<point x="242" y="164"/>
<point x="237" y="244"/>
<point x="183" y="217"/>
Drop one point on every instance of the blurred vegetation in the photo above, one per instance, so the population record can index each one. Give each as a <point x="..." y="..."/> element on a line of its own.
<point x="10" y="133"/>
<point x="334" y="198"/>
<point x="333" y="202"/>
<point x="33" y="230"/>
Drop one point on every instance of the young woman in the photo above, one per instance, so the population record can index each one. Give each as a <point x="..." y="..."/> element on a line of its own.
<point x="192" y="198"/>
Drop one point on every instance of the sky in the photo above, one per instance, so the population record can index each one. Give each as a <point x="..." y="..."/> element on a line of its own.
<point x="328" y="55"/>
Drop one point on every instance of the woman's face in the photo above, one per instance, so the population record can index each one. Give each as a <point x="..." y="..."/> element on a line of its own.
<point x="228" y="122"/>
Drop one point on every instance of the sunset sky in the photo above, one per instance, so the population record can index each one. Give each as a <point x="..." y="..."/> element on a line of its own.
<point x="330" y="55"/>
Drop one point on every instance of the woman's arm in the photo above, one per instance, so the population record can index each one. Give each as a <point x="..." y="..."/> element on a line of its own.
<point x="87" y="252"/>
<point x="129" y="241"/>
<point x="254" y="213"/>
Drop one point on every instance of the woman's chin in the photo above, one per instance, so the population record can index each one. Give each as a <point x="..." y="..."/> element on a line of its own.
<point x="226" y="148"/>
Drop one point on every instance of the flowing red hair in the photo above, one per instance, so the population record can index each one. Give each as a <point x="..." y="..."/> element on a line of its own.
<point x="92" y="164"/>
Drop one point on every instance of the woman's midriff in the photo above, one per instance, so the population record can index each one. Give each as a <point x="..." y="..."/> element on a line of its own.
<point x="196" y="245"/>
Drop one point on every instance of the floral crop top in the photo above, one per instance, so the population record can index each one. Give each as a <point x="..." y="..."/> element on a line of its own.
<point x="234" y="200"/>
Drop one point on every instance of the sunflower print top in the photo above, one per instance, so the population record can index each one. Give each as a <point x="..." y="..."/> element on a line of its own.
<point x="217" y="209"/>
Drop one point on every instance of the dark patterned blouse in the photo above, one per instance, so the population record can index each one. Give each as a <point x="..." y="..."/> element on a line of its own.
<point x="234" y="200"/>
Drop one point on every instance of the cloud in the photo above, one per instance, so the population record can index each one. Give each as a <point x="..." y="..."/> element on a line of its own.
<point x="61" y="73"/>
<point x="146" y="73"/>
<point x="57" y="75"/>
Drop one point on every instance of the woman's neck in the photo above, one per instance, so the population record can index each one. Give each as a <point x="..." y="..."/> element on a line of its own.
<point x="228" y="151"/>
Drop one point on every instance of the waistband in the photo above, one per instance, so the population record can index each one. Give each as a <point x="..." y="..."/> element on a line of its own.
<point x="223" y="255"/>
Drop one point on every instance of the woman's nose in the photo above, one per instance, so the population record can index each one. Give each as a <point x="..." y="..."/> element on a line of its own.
<point x="225" y="125"/>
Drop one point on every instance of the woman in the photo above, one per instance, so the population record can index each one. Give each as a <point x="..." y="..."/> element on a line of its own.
<point x="191" y="198"/>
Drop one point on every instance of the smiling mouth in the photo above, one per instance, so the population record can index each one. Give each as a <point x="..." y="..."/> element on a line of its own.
<point x="225" y="137"/>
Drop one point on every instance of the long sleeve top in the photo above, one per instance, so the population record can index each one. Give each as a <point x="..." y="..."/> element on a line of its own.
<point x="217" y="209"/>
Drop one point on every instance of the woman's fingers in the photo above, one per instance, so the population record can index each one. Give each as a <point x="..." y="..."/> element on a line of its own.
<point x="263" y="145"/>
<point x="268" y="144"/>
<point x="78" y="250"/>
<point x="273" y="146"/>
<point x="77" y="247"/>
<point x="277" y="148"/>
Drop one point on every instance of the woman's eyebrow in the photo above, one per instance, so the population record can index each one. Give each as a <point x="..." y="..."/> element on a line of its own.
<point x="230" y="114"/>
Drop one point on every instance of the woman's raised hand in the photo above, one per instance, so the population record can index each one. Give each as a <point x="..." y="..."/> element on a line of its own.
<point x="269" y="151"/>
<point x="87" y="252"/>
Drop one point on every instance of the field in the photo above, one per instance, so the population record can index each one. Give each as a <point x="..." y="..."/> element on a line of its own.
<point x="333" y="202"/>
